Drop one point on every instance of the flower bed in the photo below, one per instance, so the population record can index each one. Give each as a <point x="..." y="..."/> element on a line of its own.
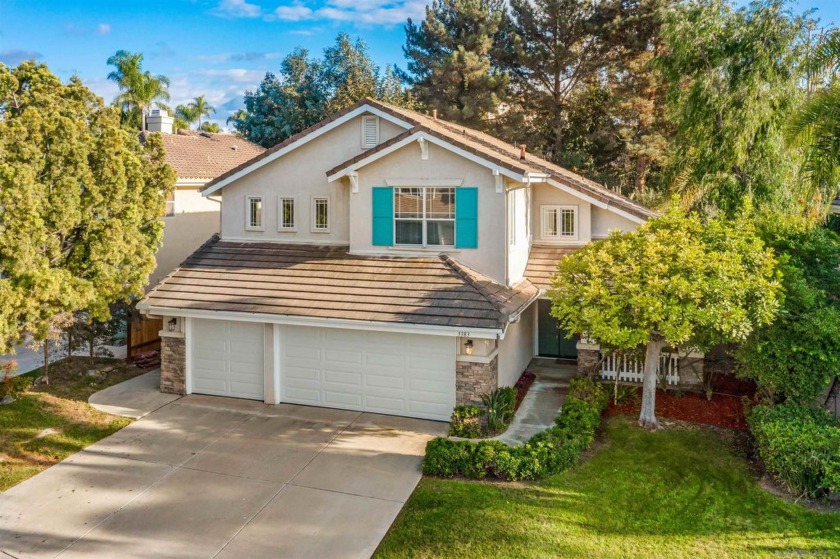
<point x="721" y="411"/>
<point x="546" y="453"/>
<point x="523" y="385"/>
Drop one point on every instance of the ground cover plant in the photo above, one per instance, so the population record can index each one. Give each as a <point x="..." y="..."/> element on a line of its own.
<point x="684" y="493"/>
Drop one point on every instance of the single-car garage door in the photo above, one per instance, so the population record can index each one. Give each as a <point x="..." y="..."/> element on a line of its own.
<point x="390" y="373"/>
<point x="227" y="358"/>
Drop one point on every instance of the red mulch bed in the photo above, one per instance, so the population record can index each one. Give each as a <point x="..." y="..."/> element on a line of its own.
<point x="725" y="409"/>
<point x="522" y="385"/>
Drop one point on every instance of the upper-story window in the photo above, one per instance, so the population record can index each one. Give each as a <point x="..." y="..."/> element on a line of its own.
<point x="320" y="215"/>
<point x="559" y="222"/>
<point x="370" y="131"/>
<point x="286" y="211"/>
<point x="254" y="213"/>
<point x="424" y="216"/>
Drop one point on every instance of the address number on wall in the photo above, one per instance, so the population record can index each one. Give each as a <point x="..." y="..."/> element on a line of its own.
<point x="464" y="334"/>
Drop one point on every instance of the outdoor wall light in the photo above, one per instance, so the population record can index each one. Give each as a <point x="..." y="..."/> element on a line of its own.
<point x="468" y="347"/>
<point x="173" y="322"/>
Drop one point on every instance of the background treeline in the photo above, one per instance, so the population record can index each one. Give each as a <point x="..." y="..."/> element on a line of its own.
<point x="702" y="99"/>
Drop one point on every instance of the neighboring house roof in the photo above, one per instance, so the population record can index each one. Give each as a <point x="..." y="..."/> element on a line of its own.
<point x="542" y="264"/>
<point x="202" y="155"/>
<point x="325" y="282"/>
<point x="489" y="148"/>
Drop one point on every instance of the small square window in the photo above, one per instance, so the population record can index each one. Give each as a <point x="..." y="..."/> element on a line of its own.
<point x="321" y="215"/>
<point x="287" y="214"/>
<point x="254" y="213"/>
<point x="559" y="222"/>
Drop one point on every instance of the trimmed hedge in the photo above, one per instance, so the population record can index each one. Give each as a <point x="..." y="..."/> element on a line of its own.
<point x="800" y="447"/>
<point x="546" y="453"/>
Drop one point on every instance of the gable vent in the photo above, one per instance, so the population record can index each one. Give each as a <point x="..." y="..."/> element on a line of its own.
<point x="370" y="131"/>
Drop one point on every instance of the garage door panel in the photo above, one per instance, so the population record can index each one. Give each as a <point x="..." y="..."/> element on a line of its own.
<point x="227" y="358"/>
<point x="402" y="374"/>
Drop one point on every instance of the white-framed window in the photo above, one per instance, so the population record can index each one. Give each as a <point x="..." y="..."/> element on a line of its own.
<point x="560" y="222"/>
<point x="320" y="215"/>
<point x="286" y="214"/>
<point x="424" y="216"/>
<point x="170" y="204"/>
<point x="370" y="131"/>
<point x="254" y="213"/>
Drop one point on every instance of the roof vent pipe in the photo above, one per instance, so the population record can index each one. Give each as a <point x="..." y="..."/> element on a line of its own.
<point x="522" y="152"/>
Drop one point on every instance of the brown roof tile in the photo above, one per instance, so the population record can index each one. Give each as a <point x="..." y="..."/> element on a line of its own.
<point x="326" y="282"/>
<point x="201" y="155"/>
<point x="542" y="263"/>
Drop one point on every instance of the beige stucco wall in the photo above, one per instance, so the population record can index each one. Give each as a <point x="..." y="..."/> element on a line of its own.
<point x="547" y="195"/>
<point x="604" y="221"/>
<point x="300" y="174"/>
<point x="519" y="230"/>
<point x="406" y="163"/>
<point x="517" y="348"/>
<point x="190" y="200"/>
<point x="182" y="234"/>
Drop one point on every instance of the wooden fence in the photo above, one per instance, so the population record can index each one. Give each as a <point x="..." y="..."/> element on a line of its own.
<point x="143" y="335"/>
<point x="630" y="368"/>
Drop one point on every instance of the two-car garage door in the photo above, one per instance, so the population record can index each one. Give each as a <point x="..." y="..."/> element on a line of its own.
<point x="392" y="373"/>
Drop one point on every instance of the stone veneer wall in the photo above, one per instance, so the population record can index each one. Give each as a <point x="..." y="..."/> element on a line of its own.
<point x="587" y="361"/>
<point x="173" y="365"/>
<point x="474" y="380"/>
<point x="691" y="370"/>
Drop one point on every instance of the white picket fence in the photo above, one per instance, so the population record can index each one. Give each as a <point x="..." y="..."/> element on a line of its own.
<point x="629" y="368"/>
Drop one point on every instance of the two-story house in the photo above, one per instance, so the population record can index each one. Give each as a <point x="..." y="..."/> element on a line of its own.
<point x="381" y="260"/>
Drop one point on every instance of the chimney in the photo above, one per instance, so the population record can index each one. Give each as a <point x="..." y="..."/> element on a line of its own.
<point x="434" y="114"/>
<point x="159" y="121"/>
<point x="522" y="152"/>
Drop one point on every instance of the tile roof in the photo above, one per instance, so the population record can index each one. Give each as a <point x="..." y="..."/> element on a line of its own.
<point x="201" y="155"/>
<point x="496" y="151"/>
<point x="326" y="282"/>
<point x="542" y="263"/>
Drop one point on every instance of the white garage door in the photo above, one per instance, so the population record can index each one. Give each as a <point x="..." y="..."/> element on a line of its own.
<point x="227" y="358"/>
<point x="399" y="374"/>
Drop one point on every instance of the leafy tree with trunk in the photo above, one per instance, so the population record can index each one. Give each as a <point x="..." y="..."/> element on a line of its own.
<point x="815" y="126"/>
<point x="794" y="358"/>
<point x="675" y="281"/>
<point x="734" y="79"/>
<point x="184" y="117"/>
<point x="210" y="127"/>
<point x="80" y="203"/>
<point x="139" y="89"/>
<point x="451" y="60"/>
<point x="200" y="107"/>
<point x="307" y="89"/>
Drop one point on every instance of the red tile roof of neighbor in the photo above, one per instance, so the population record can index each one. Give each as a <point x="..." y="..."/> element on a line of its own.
<point x="202" y="155"/>
<point x="485" y="146"/>
<point x="327" y="282"/>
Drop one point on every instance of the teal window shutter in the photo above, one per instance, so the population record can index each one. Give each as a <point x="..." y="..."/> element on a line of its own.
<point x="383" y="216"/>
<point x="466" y="217"/>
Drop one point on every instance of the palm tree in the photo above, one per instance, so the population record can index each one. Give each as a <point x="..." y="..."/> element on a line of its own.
<point x="816" y="124"/>
<point x="138" y="89"/>
<point x="201" y="108"/>
<point x="186" y="115"/>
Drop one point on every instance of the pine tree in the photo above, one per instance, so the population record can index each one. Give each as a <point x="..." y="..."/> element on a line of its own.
<point x="450" y="60"/>
<point x="80" y="202"/>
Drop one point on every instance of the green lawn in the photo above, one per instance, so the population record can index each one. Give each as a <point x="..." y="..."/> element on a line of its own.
<point x="48" y="424"/>
<point x="676" y="493"/>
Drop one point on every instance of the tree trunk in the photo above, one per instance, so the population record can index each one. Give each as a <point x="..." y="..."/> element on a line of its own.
<point x="142" y="117"/>
<point x="641" y="172"/>
<point x="647" y="418"/>
<point x="47" y="361"/>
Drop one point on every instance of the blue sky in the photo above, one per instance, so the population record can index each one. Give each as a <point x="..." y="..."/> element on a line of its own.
<point x="218" y="48"/>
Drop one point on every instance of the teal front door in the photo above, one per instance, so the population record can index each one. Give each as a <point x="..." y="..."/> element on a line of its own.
<point x="552" y="341"/>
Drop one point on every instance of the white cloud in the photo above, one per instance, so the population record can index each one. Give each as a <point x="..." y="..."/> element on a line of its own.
<point x="239" y="57"/>
<point x="366" y="12"/>
<point x="236" y="9"/>
<point x="103" y="28"/>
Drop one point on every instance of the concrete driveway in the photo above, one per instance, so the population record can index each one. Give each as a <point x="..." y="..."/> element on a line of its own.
<point x="216" y="477"/>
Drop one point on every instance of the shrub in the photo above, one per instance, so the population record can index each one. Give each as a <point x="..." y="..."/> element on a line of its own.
<point x="546" y="453"/>
<point x="11" y="385"/>
<point x="800" y="447"/>
<point x="500" y="405"/>
<point x="466" y="422"/>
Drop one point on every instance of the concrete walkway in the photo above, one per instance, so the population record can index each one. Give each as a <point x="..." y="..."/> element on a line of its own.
<point x="542" y="403"/>
<point x="210" y="477"/>
<point x="136" y="397"/>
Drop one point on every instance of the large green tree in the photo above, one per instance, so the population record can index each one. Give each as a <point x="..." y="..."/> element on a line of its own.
<point x="675" y="281"/>
<point x="307" y="89"/>
<point x="733" y="81"/>
<point x="80" y="203"/>
<point x="200" y="107"/>
<point x="451" y="60"/>
<point x="139" y="88"/>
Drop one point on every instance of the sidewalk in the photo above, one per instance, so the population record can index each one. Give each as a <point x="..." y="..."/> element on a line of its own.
<point x="135" y="397"/>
